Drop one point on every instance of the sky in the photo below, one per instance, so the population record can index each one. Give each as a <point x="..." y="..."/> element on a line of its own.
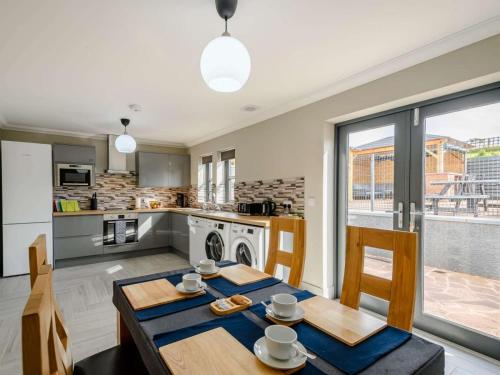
<point x="479" y="122"/>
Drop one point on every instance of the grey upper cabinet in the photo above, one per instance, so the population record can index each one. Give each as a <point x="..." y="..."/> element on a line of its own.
<point x="152" y="169"/>
<point x="73" y="154"/>
<point x="162" y="170"/>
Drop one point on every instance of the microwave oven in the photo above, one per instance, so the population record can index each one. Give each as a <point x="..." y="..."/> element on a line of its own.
<point x="74" y="175"/>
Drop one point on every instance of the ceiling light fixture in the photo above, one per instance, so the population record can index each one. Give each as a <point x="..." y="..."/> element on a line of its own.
<point x="125" y="143"/>
<point x="225" y="62"/>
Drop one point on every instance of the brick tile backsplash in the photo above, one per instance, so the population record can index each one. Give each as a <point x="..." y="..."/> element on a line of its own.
<point x="117" y="192"/>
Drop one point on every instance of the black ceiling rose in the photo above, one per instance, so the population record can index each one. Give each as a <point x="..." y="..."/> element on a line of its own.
<point x="125" y="121"/>
<point x="226" y="8"/>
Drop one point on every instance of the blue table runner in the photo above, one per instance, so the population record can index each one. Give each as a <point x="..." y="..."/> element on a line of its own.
<point x="238" y="325"/>
<point x="173" y="307"/>
<point x="349" y="359"/>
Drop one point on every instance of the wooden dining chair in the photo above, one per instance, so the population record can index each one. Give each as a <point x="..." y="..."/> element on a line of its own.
<point x="295" y="259"/>
<point x="45" y="342"/>
<point x="44" y="352"/>
<point x="38" y="258"/>
<point x="400" y="291"/>
<point x="40" y="266"/>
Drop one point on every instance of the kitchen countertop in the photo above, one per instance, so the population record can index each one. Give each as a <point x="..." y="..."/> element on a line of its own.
<point x="261" y="221"/>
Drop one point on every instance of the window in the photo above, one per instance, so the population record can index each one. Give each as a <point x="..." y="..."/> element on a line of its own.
<point x="226" y="173"/>
<point x="205" y="179"/>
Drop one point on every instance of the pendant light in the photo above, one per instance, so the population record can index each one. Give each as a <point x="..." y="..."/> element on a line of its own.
<point x="125" y="143"/>
<point x="225" y="62"/>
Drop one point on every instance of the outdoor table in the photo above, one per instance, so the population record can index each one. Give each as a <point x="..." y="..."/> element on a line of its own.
<point x="415" y="356"/>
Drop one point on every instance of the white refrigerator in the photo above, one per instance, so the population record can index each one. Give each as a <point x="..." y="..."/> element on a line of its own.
<point x="26" y="202"/>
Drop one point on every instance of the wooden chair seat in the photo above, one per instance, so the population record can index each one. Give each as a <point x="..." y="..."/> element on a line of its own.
<point x="119" y="360"/>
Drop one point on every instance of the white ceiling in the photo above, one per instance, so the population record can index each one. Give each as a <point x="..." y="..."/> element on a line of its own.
<point x="75" y="66"/>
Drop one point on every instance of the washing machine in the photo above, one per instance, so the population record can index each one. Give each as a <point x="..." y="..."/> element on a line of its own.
<point x="248" y="245"/>
<point x="198" y="229"/>
<point x="217" y="240"/>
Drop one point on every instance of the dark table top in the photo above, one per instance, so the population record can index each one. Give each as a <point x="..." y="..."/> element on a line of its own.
<point x="416" y="356"/>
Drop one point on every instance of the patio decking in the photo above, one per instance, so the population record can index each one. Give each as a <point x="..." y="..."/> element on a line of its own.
<point x="472" y="301"/>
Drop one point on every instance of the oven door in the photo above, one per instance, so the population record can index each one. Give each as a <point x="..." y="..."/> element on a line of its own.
<point x="74" y="175"/>
<point x="120" y="232"/>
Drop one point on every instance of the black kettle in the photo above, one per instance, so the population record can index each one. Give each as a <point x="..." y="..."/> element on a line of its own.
<point x="268" y="208"/>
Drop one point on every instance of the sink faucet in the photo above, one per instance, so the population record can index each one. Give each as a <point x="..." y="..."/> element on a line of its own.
<point x="215" y="206"/>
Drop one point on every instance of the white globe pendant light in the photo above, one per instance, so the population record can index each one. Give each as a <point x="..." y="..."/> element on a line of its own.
<point x="225" y="62"/>
<point x="125" y="143"/>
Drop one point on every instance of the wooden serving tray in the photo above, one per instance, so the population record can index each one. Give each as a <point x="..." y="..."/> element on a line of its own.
<point x="234" y="302"/>
<point x="344" y="323"/>
<point x="241" y="274"/>
<point x="213" y="352"/>
<point x="154" y="293"/>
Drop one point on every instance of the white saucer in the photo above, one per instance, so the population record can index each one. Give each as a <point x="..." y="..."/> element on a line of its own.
<point x="180" y="288"/>
<point x="261" y="352"/>
<point x="216" y="269"/>
<point x="299" y="314"/>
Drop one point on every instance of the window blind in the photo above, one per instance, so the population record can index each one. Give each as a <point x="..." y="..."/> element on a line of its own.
<point x="206" y="159"/>
<point x="227" y="155"/>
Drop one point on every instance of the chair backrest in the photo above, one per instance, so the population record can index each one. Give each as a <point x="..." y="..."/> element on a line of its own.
<point x="45" y="352"/>
<point x="400" y="291"/>
<point x="38" y="258"/>
<point x="295" y="259"/>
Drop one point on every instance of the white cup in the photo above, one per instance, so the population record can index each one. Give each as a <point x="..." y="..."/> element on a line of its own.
<point x="191" y="281"/>
<point x="279" y="341"/>
<point x="207" y="265"/>
<point x="284" y="304"/>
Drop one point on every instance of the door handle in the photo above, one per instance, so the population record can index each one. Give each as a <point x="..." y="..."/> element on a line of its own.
<point x="398" y="212"/>
<point x="413" y="214"/>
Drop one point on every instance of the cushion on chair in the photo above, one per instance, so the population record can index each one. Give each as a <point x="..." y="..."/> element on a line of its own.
<point x="119" y="360"/>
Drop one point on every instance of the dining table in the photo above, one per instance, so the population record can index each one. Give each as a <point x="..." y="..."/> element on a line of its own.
<point x="415" y="356"/>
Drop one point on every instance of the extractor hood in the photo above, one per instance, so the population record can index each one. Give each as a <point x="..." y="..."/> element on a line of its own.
<point x="117" y="161"/>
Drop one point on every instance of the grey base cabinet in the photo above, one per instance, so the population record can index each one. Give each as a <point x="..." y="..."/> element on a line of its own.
<point x="77" y="236"/>
<point x="82" y="236"/>
<point x="180" y="232"/>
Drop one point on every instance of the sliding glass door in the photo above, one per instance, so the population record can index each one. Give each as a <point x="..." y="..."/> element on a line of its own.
<point x="438" y="174"/>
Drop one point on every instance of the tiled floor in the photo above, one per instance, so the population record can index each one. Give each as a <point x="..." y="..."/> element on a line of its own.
<point x="85" y="292"/>
<point x="472" y="301"/>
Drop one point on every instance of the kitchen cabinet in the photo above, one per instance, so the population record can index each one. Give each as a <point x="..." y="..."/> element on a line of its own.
<point x="77" y="236"/>
<point x="76" y="247"/>
<point x="154" y="230"/>
<point x="179" y="232"/>
<point x="73" y="154"/>
<point x="162" y="170"/>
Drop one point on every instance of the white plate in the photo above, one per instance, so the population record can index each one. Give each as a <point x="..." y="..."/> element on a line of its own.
<point x="299" y="314"/>
<point x="197" y="270"/>
<point x="261" y="352"/>
<point x="180" y="288"/>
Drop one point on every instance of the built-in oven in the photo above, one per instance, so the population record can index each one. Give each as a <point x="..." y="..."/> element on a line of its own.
<point x="74" y="175"/>
<point x="120" y="229"/>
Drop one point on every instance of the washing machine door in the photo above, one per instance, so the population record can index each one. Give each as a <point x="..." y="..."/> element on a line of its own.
<point x="244" y="252"/>
<point x="214" y="246"/>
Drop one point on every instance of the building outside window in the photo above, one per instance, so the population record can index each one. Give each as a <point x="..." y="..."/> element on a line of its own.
<point x="205" y="179"/>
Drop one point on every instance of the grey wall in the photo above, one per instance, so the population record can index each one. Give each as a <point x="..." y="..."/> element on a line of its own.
<point x="100" y="145"/>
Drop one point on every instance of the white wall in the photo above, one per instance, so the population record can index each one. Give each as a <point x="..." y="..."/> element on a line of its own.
<point x="299" y="143"/>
